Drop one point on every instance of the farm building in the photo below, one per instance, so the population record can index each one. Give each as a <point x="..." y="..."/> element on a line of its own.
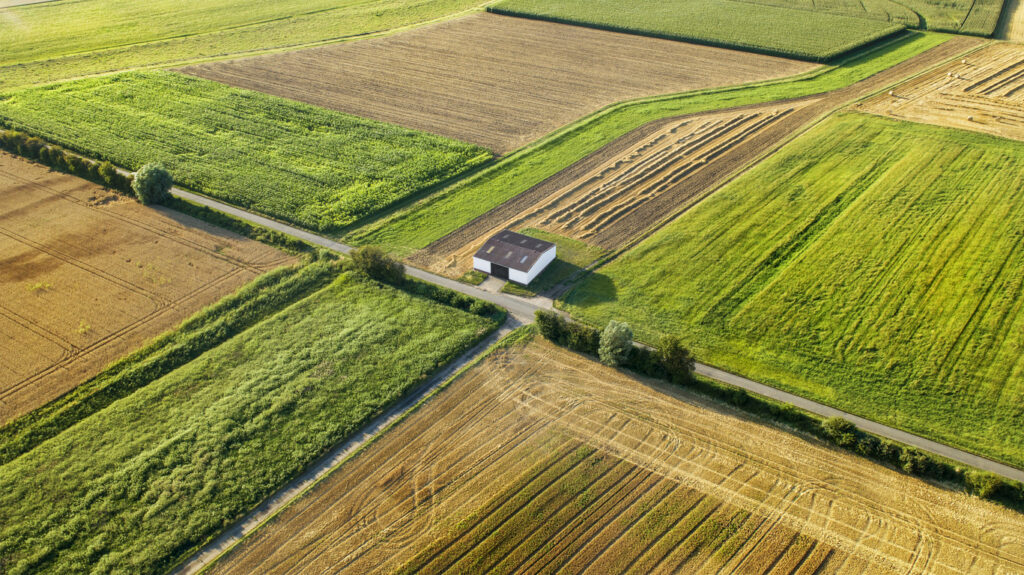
<point x="515" y="257"/>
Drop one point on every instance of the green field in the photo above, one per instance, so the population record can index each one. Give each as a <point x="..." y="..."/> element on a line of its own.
<point x="107" y="35"/>
<point x="872" y="265"/>
<point x="416" y="226"/>
<point x="315" y="167"/>
<point x="137" y="486"/>
<point x="805" y="29"/>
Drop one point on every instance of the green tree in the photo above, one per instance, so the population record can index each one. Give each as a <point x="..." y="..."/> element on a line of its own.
<point x="616" y="342"/>
<point x="377" y="264"/>
<point x="842" y="432"/>
<point x="152" y="184"/>
<point x="676" y="359"/>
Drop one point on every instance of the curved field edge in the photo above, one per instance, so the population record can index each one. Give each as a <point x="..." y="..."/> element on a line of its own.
<point x="185" y="35"/>
<point x="517" y="338"/>
<point x="813" y="36"/>
<point x="315" y="167"/>
<point x="226" y="430"/>
<point x="414" y="227"/>
<point x="931" y="354"/>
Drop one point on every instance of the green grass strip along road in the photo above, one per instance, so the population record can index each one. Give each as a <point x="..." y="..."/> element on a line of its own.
<point x="316" y="167"/>
<point x="108" y="35"/>
<point x="872" y="265"/>
<point x="416" y="226"/>
<point x="145" y="481"/>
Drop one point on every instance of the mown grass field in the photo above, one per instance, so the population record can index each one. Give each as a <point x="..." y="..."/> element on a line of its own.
<point x="136" y="486"/>
<point x="106" y="35"/>
<point x="872" y="265"/>
<point x="416" y="226"/>
<point x="803" y="29"/>
<point x="318" y="168"/>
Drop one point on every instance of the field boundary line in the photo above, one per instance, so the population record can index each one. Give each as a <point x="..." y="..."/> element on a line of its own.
<point x="325" y="465"/>
<point x="234" y="55"/>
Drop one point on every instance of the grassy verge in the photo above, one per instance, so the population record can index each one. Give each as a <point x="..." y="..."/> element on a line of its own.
<point x="106" y="35"/>
<point x="872" y="265"/>
<point x="814" y="35"/>
<point x="299" y="163"/>
<point x="205" y="330"/>
<point x="214" y="437"/>
<point x="432" y="218"/>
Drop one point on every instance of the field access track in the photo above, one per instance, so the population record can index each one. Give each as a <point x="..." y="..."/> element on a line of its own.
<point x="540" y="460"/>
<point x="89" y="276"/>
<point x="496" y="81"/>
<point x="647" y="176"/>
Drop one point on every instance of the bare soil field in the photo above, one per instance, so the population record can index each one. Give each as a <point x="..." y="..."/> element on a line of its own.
<point x="539" y="460"/>
<point x="648" y="176"/>
<point x="985" y="94"/>
<point x="496" y="81"/>
<point x="592" y="202"/>
<point x="86" y="276"/>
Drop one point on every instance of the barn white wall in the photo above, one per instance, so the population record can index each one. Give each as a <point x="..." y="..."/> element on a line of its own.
<point x="482" y="265"/>
<point x="538" y="266"/>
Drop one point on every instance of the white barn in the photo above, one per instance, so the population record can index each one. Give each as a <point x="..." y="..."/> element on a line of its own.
<point x="514" y="257"/>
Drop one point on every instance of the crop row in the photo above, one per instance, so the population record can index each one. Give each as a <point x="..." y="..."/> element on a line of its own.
<point x="318" y="168"/>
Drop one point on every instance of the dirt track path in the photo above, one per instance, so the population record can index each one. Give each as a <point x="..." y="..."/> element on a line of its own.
<point x="667" y="205"/>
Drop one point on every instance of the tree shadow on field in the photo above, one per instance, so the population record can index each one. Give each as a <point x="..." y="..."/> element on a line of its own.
<point x="594" y="288"/>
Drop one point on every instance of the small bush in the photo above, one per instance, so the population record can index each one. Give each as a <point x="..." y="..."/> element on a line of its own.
<point x="152" y="184"/>
<point x="841" y="432"/>
<point x="377" y="264"/>
<point x="676" y="360"/>
<point x="616" y="343"/>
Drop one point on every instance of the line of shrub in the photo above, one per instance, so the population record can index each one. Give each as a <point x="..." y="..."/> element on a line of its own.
<point x="379" y="265"/>
<point x="58" y="158"/>
<point x="837" y="431"/>
<point x="205" y="330"/>
<point x="241" y="227"/>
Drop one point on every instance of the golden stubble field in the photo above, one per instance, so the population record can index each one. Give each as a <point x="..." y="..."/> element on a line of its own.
<point x="538" y="460"/>
<point x="496" y="81"/>
<point x="983" y="92"/>
<point x="87" y="276"/>
<point x="618" y="193"/>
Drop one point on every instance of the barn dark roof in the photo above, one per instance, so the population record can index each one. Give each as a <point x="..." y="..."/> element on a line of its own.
<point x="512" y="250"/>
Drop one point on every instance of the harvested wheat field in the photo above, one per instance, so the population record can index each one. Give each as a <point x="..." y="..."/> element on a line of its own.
<point x="985" y="94"/>
<point x="496" y="81"/>
<point x="86" y="276"/>
<point x="539" y="460"/>
<point x="607" y="200"/>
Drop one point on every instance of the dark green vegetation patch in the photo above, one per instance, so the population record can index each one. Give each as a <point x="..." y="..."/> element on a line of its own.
<point x="873" y="265"/>
<point x="138" y="485"/>
<point x="801" y="29"/>
<point x="318" y="168"/>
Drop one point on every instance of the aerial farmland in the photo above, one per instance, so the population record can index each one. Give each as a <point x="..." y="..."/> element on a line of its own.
<point x="252" y="322"/>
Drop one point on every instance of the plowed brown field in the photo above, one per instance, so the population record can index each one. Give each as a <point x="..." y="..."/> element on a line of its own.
<point x="594" y="203"/>
<point x="86" y="276"/>
<point x="649" y="175"/>
<point x="985" y="94"/>
<point x="538" y="460"/>
<point x="496" y="81"/>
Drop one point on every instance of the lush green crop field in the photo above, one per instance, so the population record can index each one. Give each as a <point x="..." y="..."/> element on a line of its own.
<point x="779" y="30"/>
<point x="872" y="265"/>
<point x="418" y="225"/>
<point x="801" y="29"/>
<point x="106" y="35"/>
<point x="136" y="486"/>
<point x="315" y="167"/>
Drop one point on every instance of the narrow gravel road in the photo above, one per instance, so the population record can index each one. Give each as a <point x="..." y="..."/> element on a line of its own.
<point x="523" y="309"/>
